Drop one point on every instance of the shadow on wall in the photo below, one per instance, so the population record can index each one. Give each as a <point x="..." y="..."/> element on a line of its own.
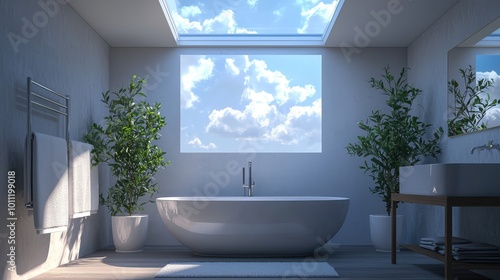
<point x="24" y="226"/>
<point x="34" y="250"/>
<point x="35" y="253"/>
<point x="30" y="259"/>
<point x="27" y="258"/>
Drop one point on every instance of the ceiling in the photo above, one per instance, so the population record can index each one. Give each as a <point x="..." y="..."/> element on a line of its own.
<point x="359" y="23"/>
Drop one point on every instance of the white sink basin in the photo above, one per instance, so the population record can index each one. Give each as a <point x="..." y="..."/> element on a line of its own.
<point x="452" y="179"/>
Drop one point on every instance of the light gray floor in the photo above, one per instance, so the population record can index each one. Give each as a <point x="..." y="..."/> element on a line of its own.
<point x="351" y="262"/>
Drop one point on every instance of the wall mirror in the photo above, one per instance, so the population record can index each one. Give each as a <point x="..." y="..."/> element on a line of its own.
<point x="474" y="82"/>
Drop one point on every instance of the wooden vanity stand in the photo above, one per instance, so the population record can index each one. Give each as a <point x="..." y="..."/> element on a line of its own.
<point x="448" y="202"/>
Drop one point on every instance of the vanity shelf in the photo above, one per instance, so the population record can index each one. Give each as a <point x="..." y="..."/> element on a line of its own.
<point x="448" y="202"/>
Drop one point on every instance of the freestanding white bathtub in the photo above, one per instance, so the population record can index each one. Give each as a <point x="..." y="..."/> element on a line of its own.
<point x="253" y="226"/>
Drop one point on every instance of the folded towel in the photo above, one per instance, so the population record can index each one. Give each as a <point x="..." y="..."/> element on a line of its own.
<point x="49" y="183"/>
<point x="431" y="244"/>
<point x="474" y="253"/>
<point x="80" y="179"/>
<point x="427" y="242"/>
<point x="489" y="259"/>
<point x="429" y="247"/>
<point x="94" y="189"/>
<point x="475" y="247"/>
<point x="439" y="240"/>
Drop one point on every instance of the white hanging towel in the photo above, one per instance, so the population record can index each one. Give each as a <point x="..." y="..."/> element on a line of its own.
<point x="50" y="183"/>
<point x="94" y="189"/>
<point x="80" y="179"/>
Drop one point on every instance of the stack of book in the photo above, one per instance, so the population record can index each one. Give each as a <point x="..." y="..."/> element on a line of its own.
<point x="463" y="249"/>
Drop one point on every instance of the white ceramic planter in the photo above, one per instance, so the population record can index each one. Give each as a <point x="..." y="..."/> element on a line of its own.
<point x="380" y="231"/>
<point x="129" y="232"/>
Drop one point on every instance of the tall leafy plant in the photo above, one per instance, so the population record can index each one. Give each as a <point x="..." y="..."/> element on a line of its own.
<point x="393" y="138"/>
<point x="470" y="107"/>
<point x="125" y="144"/>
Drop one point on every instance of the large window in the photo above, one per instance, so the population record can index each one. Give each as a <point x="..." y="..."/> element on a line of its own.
<point x="250" y="103"/>
<point x="304" y="21"/>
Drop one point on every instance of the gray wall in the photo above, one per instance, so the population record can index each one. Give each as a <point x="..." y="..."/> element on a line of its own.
<point x="347" y="98"/>
<point x="58" y="49"/>
<point x="427" y="57"/>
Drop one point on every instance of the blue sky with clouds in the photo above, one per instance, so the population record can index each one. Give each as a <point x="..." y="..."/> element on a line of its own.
<point x="251" y="16"/>
<point x="488" y="67"/>
<point x="270" y="102"/>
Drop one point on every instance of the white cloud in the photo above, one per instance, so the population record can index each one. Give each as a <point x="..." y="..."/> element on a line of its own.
<point x="258" y="115"/>
<point x="260" y="109"/>
<point x="197" y="143"/>
<point x="195" y="74"/>
<point x="252" y="3"/>
<point x="231" y="67"/>
<point x="279" y="14"/>
<point x="493" y="115"/>
<point x="184" y="25"/>
<point x="300" y="94"/>
<point x="304" y="2"/>
<point x="495" y="88"/>
<point x="317" y="15"/>
<point x="188" y="99"/>
<point x="223" y="23"/>
<point x="302" y="122"/>
<point x="302" y="116"/>
<point x="189" y="11"/>
<point x="229" y="122"/>
<point x="258" y="72"/>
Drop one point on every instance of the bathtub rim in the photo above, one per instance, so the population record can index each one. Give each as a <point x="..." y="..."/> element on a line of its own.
<point x="252" y="198"/>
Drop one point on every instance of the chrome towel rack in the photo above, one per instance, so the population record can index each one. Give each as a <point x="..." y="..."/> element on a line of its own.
<point x="36" y="99"/>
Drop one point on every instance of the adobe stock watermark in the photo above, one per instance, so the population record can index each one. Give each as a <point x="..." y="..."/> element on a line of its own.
<point x="310" y="264"/>
<point x="405" y="172"/>
<point x="11" y="221"/>
<point x="364" y="35"/>
<point x="31" y="26"/>
<point x="155" y="75"/>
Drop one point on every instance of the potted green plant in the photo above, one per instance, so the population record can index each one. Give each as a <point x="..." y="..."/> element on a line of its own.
<point x="393" y="138"/>
<point x="126" y="144"/>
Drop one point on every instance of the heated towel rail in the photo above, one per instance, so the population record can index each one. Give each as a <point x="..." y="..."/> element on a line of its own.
<point x="56" y="106"/>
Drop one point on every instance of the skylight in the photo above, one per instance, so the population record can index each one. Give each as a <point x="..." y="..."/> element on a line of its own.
<point x="492" y="40"/>
<point x="247" y="20"/>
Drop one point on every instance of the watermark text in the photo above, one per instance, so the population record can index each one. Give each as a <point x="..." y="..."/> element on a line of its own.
<point x="11" y="221"/>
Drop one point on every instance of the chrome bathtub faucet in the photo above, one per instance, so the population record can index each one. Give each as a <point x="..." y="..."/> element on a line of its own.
<point x="248" y="189"/>
<point x="489" y="146"/>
